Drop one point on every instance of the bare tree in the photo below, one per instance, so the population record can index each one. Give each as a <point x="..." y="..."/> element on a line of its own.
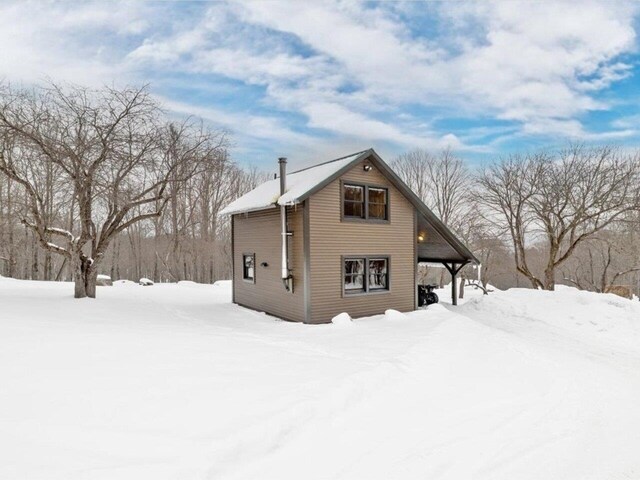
<point x="7" y="219"/>
<point x="601" y="262"/>
<point x="414" y="168"/>
<point x="560" y="200"/>
<point x="444" y="183"/>
<point x="112" y="151"/>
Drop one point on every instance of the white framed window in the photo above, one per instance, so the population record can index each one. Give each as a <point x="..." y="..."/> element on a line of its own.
<point x="249" y="267"/>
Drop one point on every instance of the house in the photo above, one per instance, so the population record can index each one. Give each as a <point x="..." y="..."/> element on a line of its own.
<point x="341" y="236"/>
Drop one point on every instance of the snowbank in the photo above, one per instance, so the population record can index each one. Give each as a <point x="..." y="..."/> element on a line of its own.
<point x="172" y="382"/>
<point x="342" y="319"/>
<point x="394" y="315"/>
<point x="104" y="280"/>
<point x="217" y="284"/>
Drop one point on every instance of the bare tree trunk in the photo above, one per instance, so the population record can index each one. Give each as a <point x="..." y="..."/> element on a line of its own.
<point x="91" y="280"/>
<point x="85" y="276"/>
<point x="48" y="267"/>
<point x="70" y="270"/>
<point x="549" y="278"/>
<point x="3" y="260"/>
<point x="11" y="253"/>
<point x="62" y="267"/>
<point x="25" y="268"/>
<point x="34" y="258"/>
<point x="156" y="267"/>
<point x="117" y="258"/>
<point x="135" y="252"/>
<point x="114" y="258"/>
<point x="79" y="277"/>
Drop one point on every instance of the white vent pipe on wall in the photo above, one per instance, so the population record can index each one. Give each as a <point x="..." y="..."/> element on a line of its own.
<point x="286" y="277"/>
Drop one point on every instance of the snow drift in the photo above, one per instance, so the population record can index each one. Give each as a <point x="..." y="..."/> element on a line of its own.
<point x="176" y="382"/>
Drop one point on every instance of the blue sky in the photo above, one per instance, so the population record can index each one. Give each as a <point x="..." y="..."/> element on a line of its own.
<point x="316" y="80"/>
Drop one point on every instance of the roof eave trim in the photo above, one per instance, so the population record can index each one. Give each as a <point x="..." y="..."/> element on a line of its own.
<point x="249" y="210"/>
<point x="316" y="188"/>
<point x="440" y="227"/>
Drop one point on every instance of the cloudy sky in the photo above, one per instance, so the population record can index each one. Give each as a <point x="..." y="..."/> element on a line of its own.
<point x="313" y="80"/>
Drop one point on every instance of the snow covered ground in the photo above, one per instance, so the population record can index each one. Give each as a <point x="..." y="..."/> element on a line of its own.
<point x="175" y="382"/>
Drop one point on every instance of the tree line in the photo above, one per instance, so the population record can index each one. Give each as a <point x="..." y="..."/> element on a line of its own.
<point x="104" y="181"/>
<point x="570" y="216"/>
<point x="96" y="181"/>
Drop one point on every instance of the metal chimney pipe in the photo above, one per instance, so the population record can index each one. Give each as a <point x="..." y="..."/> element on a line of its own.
<point x="282" y="163"/>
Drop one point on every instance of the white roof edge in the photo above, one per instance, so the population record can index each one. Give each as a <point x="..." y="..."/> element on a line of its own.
<point x="229" y="211"/>
<point x="289" y="203"/>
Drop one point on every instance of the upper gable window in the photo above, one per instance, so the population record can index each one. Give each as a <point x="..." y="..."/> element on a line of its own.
<point x="377" y="203"/>
<point x="365" y="202"/>
<point x="354" y="201"/>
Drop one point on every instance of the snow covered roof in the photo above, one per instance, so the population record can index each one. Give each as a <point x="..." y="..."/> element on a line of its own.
<point x="299" y="184"/>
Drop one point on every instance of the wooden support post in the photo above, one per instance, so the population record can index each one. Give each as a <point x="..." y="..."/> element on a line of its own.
<point x="454" y="268"/>
<point x="454" y="289"/>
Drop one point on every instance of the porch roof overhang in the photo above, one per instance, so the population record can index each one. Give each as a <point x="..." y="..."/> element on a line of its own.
<point x="432" y="246"/>
<point x="440" y="243"/>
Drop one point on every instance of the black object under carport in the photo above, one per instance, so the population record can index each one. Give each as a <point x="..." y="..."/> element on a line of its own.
<point x="426" y="295"/>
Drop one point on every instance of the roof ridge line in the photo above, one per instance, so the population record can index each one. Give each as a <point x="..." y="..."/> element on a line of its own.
<point x="329" y="161"/>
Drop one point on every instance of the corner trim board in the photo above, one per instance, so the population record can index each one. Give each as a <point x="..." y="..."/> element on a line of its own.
<point x="233" y="263"/>
<point x="415" y="259"/>
<point x="306" y="246"/>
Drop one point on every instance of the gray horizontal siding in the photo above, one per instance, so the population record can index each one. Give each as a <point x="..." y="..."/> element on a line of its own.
<point x="331" y="239"/>
<point x="259" y="233"/>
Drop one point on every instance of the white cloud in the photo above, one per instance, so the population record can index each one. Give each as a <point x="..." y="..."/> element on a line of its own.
<point x="261" y="127"/>
<point x="64" y="41"/>
<point x="330" y="116"/>
<point x="348" y="68"/>
<point x="630" y="121"/>
<point x="537" y="56"/>
<point x="531" y="62"/>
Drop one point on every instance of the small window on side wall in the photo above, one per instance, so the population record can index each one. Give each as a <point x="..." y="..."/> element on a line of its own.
<point x="249" y="267"/>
